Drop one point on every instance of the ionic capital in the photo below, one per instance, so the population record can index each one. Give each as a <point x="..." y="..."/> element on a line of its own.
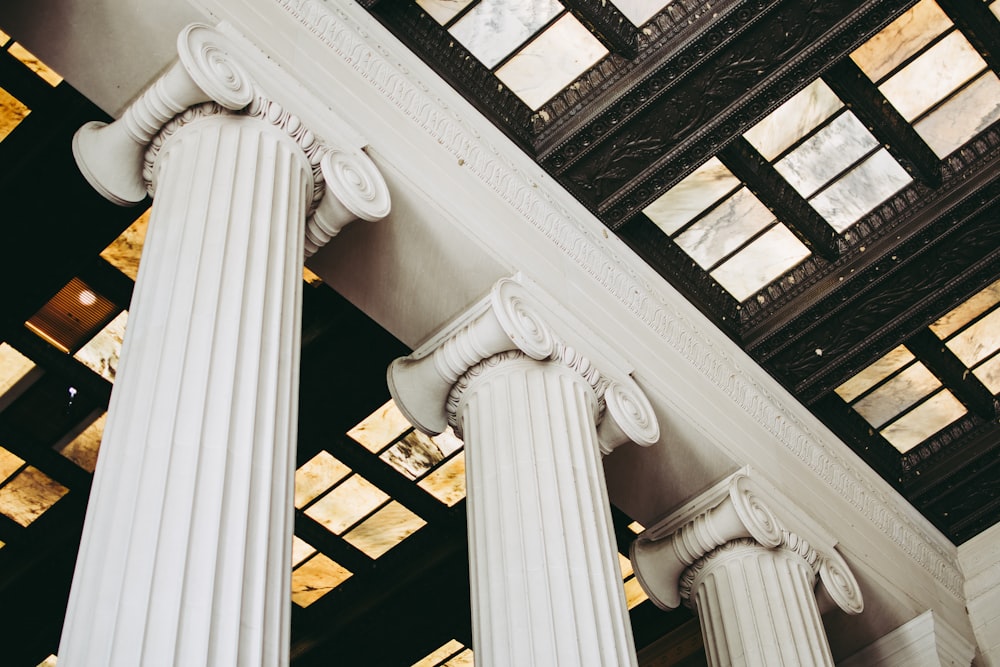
<point x="515" y="318"/>
<point x="736" y="513"/>
<point x="208" y="79"/>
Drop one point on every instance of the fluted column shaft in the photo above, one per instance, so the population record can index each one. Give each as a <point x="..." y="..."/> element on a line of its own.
<point x="546" y="585"/>
<point x="185" y="558"/>
<point x="757" y="606"/>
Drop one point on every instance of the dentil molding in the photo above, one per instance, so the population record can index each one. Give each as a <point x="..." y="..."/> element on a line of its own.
<point x="119" y="160"/>
<point x="378" y="63"/>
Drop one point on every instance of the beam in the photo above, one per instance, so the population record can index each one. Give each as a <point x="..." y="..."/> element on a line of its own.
<point x="881" y="118"/>
<point x="780" y="197"/>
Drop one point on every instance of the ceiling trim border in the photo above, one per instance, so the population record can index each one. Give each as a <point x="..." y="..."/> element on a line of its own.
<point x="377" y="63"/>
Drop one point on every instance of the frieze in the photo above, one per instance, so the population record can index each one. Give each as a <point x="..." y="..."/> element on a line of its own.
<point x="373" y="61"/>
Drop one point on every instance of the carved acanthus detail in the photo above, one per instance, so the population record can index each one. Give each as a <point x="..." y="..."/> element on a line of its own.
<point x="428" y="386"/>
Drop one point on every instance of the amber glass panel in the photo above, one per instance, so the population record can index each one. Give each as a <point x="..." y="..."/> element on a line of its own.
<point x="101" y="353"/>
<point x="35" y="65"/>
<point x="447" y="483"/>
<point x="875" y="373"/>
<point x="13" y="367"/>
<point x="923" y="421"/>
<point x="12" y="112"/>
<point x="9" y="464"/>
<point x="315" y="578"/>
<point x="451" y="648"/>
<point x="346" y="504"/>
<point x="82" y="450"/>
<point x="124" y="252"/>
<point x="958" y="317"/>
<point x="316" y="476"/>
<point x="385" y="529"/>
<point x="380" y="428"/>
<point x="28" y="495"/>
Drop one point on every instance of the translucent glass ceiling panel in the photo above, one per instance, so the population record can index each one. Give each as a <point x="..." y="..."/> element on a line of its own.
<point x="434" y="658"/>
<point x="639" y="11"/>
<point x="901" y="39"/>
<point x="494" y="28"/>
<point x="315" y="578"/>
<point x="699" y="190"/>
<point x="125" y="251"/>
<point x="443" y="11"/>
<point x="301" y="550"/>
<point x="899" y="393"/>
<point x="875" y="373"/>
<point x="384" y="529"/>
<point x="978" y="341"/>
<point x="969" y="112"/>
<point x="825" y="154"/>
<point x="13" y="367"/>
<point x="45" y="72"/>
<point x="82" y="450"/>
<point x="102" y="352"/>
<point x="346" y="504"/>
<point x="12" y="112"/>
<point x="933" y="75"/>
<point x="958" y="317"/>
<point x="380" y="427"/>
<point x="860" y="190"/>
<point x="9" y="464"/>
<point x="447" y="482"/>
<point x="316" y="476"/>
<point x="989" y="374"/>
<point x="552" y="61"/>
<point x="793" y="119"/>
<point x="923" y="421"/>
<point x="761" y="262"/>
<point x="28" y="495"/>
<point x="725" y="228"/>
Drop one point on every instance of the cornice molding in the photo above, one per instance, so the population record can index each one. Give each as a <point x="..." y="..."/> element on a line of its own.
<point x="378" y="63"/>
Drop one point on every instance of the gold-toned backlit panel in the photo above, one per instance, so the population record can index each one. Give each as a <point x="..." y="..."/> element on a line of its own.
<point x="82" y="450"/>
<point x="346" y="504"/>
<point x="102" y="352"/>
<point x="12" y="112"/>
<point x="316" y="476"/>
<point x="315" y="578"/>
<point x="45" y="72"/>
<point x="28" y="495"/>
<point x="380" y="428"/>
<point x="384" y="529"/>
<point x="13" y="367"/>
<point x="125" y="251"/>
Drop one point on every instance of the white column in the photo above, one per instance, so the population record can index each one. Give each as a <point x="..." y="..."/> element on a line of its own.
<point x="546" y="585"/>
<point x="185" y="558"/>
<point x="750" y="581"/>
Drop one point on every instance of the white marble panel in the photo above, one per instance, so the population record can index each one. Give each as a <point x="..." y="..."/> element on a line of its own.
<point x="995" y="8"/>
<point x="380" y="427"/>
<point x="13" y="367"/>
<point x="346" y="504"/>
<point x="29" y="495"/>
<point x="316" y="476"/>
<point x="301" y="550"/>
<point x="899" y="393"/>
<point x="385" y="529"/>
<point x="862" y="189"/>
<point x="552" y="61"/>
<point x="9" y="463"/>
<point x="969" y="112"/>
<point x="639" y="11"/>
<point x="494" y="28"/>
<point x="447" y="482"/>
<point x="725" y="228"/>
<point x="443" y="11"/>
<point x="977" y="341"/>
<point x="989" y="374"/>
<point x="933" y="75"/>
<point x="101" y="353"/>
<point x="793" y="119"/>
<point x="901" y="39"/>
<point x="762" y="261"/>
<point x="413" y="454"/>
<point x="315" y="578"/>
<point x="826" y="154"/>
<point x="924" y="421"/>
<point x="699" y="190"/>
<point x="957" y="318"/>
<point x="875" y="373"/>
